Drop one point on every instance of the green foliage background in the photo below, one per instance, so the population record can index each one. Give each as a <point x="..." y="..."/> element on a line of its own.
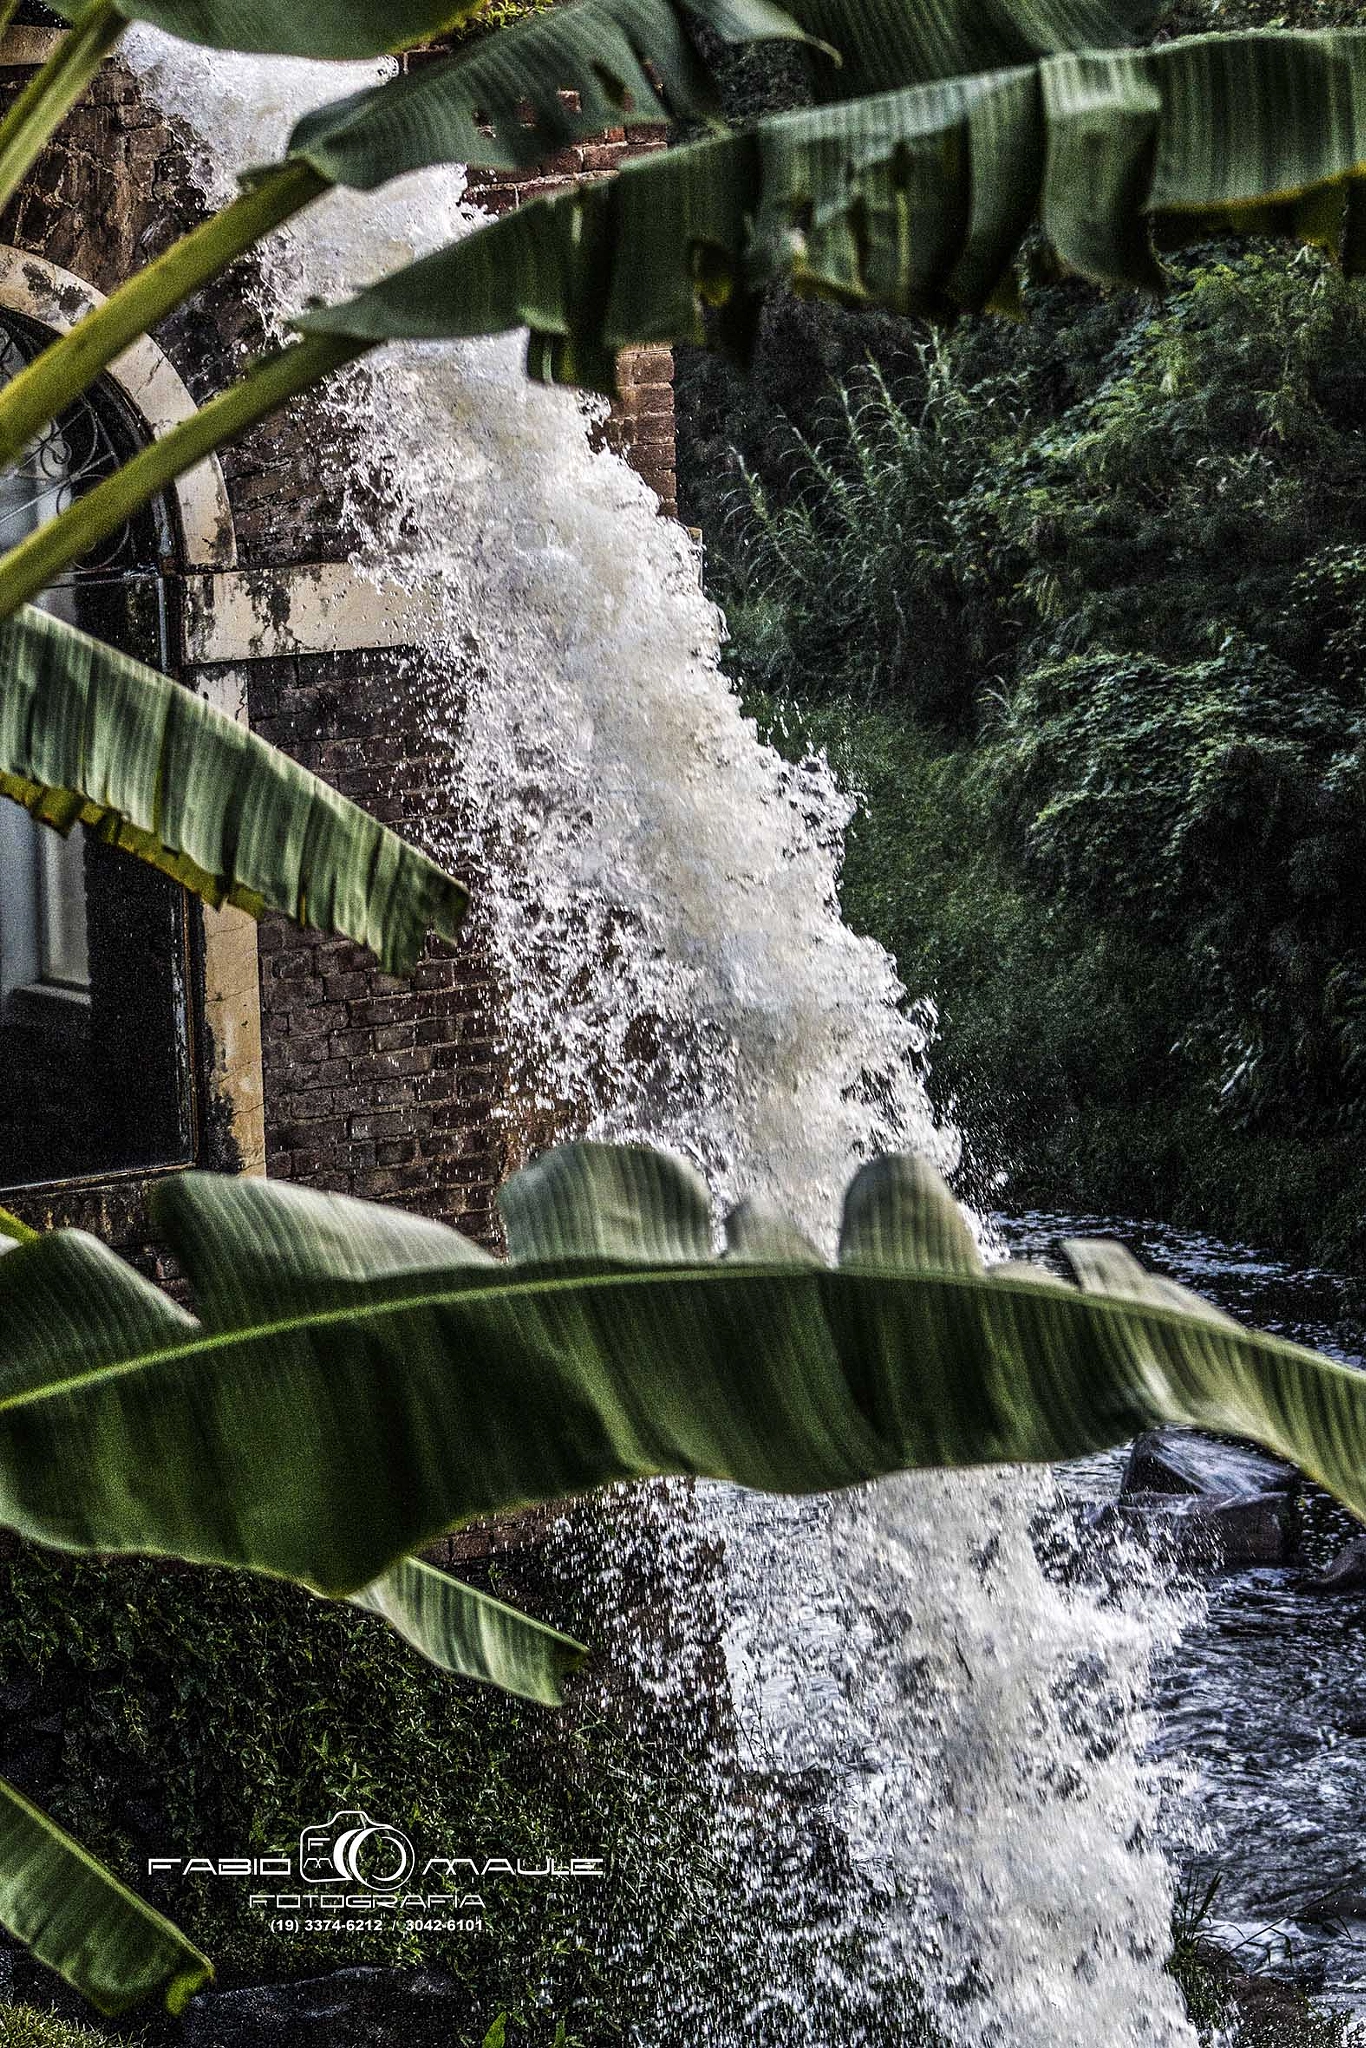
<point x="1079" y="606"/>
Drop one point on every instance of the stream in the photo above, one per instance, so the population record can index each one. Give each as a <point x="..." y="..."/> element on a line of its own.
<point x="1261" y="1702"/>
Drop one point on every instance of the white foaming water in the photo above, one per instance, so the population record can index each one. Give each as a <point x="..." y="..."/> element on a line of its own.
<point x="661" y="894"/>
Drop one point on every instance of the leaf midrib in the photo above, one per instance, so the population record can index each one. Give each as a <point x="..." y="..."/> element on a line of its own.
<point x="1110" y="1307"/>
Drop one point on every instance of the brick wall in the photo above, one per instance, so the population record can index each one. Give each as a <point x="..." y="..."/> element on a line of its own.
<point x="376" y="1086"/>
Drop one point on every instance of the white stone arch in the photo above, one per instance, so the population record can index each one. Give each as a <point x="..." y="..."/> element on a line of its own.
<point x="57" y="298"/>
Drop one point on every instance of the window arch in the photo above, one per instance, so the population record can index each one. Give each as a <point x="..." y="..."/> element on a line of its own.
<point x="96" y="951"/>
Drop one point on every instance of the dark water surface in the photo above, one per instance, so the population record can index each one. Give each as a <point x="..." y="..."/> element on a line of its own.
<point x="1264" y="1700"/>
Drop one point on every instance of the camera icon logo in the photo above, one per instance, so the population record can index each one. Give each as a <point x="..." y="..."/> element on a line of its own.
<point x="353" y="1849"/>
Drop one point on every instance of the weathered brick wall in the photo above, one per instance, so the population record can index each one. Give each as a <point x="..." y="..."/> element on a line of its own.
<point x="376" y="1086"/>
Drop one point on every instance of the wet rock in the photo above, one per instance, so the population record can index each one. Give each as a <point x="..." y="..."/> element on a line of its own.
<point x="1270" y="2012"/>
<point x="1207" y="1532"/>
<point x="363" y="2007"/>
<point x="1335" y="1906"/>
<point x="1347" y="1572"/>
<point x="1185" y="1461"/>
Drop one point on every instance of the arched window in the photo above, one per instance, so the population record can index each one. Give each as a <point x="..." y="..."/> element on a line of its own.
<point x="96" y="1068"/>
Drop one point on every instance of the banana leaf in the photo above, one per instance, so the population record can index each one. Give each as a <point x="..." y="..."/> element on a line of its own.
<point x="512" y="99"/>
<point x="471" y="1633"/>
<point x="889" y="43"/>
<point x="294" y="28"/>
<point x="357" y="1381"/>
<point x="88" y="736"/>
<point x="921" y="41"/>
<point x="78" y="1918"/>
<point x="915" y="201"/>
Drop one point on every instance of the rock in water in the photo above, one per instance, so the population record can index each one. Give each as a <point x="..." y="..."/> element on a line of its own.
<point x="1219" y="1506"/>
<point x="1207" y="1532"/>
<point x="1185" y="1461"/>
<point x="362" y="2007"/>
<point x="1347" y="1572"/>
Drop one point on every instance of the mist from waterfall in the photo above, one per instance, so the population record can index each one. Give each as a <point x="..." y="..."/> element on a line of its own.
<point x="660" y="890"/>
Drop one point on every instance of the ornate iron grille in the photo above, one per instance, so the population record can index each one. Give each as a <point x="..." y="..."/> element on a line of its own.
<point x="89" y="441"/>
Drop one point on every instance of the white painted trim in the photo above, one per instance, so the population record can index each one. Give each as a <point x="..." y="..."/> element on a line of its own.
<point x="57" y="298"/>
<point x="313" y="608"/>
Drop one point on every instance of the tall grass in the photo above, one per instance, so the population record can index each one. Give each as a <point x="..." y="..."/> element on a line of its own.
<point x="854" y="580"/>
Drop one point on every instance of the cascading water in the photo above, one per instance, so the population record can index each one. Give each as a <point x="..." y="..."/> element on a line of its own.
<point x="661" y="892"/>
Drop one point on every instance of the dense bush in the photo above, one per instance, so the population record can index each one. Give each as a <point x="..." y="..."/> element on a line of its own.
<point x="1110" y="566"/>
<point x="24" y="2026"/>
<point x="157" y="1711"/>
<point x="1218" y="807"/>
<point x="849" y="575"/>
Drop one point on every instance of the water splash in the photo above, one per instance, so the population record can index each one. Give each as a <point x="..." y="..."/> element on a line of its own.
<point x="662" y="898"/>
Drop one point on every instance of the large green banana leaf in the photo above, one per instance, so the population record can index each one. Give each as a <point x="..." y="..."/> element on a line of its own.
<point x="923" y="38"/>
<point x="358" y="1380"/>
<point x="90" y="736"/>
<point x="916" y="201"/>
<point x="888" y="43"/>
<point x="78" y="1918"/>
<point x="297" y="28"/>
<point x="513" y="98"/>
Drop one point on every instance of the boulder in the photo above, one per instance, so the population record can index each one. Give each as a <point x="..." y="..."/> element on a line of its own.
<point x="1185" y="1461"/>
<point x="1204" y="1532"/>
<point x="1347" y="1572"/>
<point x="1335" y="1907"/>
<point x="362" y="2007"/>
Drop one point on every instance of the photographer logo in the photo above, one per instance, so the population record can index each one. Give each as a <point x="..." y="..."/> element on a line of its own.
<point x="353" y="1876"/>
<point x="352" y="1849"/>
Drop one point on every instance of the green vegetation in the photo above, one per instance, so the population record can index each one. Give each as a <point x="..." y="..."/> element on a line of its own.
<point x="1225" y="2005"/>
<point x="357" y="1379"/>
<point x="129" y="1426"/>
<point x="159" y="1711"/>
<point x="1079" y="607"/>
<point x="23" y="2026"/>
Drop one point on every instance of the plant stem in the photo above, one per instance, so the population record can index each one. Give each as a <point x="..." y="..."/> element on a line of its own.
<point x="7" y="14"/>
<point x="53" y="90"/>
<point x="37" y="561"/>
<point x="70" y="365"/>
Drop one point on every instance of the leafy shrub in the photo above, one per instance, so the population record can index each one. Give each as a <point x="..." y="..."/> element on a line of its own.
<point x="1112" y="564"/>
<point x="1218" y="805"/>
<point x="159" y="1711"/>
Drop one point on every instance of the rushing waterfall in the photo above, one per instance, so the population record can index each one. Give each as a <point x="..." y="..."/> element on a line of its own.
<point x="661" y="891"/>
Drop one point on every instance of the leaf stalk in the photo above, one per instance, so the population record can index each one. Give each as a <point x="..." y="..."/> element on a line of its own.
<point x="15" y="1232"/>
